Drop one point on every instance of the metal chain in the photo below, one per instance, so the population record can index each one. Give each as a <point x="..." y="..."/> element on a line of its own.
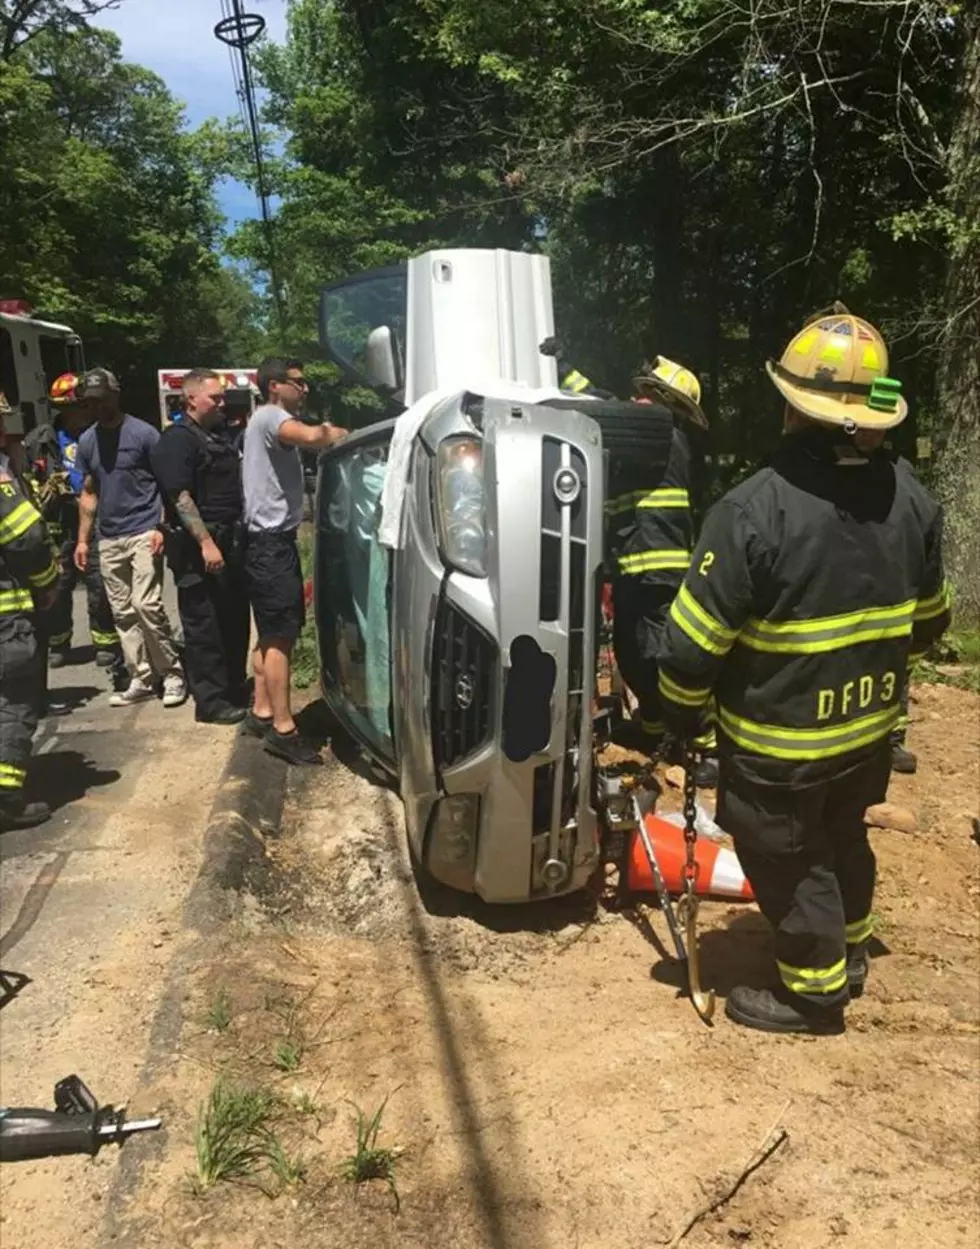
<point x="691" y="760"/>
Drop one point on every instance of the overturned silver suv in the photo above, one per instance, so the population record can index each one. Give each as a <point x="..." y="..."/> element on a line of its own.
<point x="462" y="653"/>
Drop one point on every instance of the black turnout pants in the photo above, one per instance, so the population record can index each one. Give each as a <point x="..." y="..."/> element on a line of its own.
<point x="22" y="681"/>
<point x="214" y="615"/>
<point x="806" y="853"/>
<point x="639" y="613"/>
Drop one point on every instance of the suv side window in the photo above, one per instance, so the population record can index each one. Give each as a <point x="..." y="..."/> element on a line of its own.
<point x="8" y="369"/>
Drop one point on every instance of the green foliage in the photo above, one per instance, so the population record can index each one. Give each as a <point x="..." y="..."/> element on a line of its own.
<point x="288" y="1055"/>
<point x="107" y="213"/>
<point x="305" y="666"/>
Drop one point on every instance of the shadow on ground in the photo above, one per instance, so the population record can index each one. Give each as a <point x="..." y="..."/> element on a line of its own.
<point x="65" y="776"/>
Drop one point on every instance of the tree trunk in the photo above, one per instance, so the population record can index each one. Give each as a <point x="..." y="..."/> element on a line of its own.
<point x="958" y="466"/>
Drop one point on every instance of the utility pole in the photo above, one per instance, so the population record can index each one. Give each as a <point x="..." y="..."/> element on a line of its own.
<point x="239" y="30"/>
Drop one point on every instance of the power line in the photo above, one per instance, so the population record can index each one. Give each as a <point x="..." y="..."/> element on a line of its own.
<point x="239" y="30"/>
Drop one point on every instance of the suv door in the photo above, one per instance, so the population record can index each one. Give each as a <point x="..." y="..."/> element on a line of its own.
<point x="352" y="579"/>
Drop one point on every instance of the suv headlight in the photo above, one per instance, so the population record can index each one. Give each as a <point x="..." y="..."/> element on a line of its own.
<point x="461" y="504"/>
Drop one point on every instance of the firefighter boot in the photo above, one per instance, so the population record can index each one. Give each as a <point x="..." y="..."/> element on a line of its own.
<point x="17" y="812"/>
<point x="778" y="1010"/>
<point x="857" y="968"/>
<point x="58" y="656"/>
<point x="707" y="773"/>
<point x="903" y="760"/>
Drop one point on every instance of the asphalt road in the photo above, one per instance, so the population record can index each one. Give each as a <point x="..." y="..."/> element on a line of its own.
<point x="90" y="910"/>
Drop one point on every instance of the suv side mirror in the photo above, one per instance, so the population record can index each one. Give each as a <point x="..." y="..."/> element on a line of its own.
<point x="383" y="363"/>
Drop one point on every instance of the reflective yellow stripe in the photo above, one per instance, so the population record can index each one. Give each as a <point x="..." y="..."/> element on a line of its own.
<point x="575" y="382"/>
<point x="653" y="561"/>
<point x="653" y="726"/>
<point x="929" y="608"/>
<point x="42" y="579"/>
<point x="814" y="979"/>
<point x="860" y="930"/>
<point x="666" y="496"/>
<point x="699" y="625"/>
<point x="707" y="741"/>
<point x="11" y="777"/>
<point x="801" y="744"/>
<point x="104" y="639"/>
<point x="15" y="601"/>
<point x="682" y="694"/>
<point x="828" y="633"/>
<point x="60" y="639"/>
<point x="18" y="522"/>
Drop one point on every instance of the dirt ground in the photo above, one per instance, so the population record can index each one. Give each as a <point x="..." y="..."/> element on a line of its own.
<point x="544" y="1084"/>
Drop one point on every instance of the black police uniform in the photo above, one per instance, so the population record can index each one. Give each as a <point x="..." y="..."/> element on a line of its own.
<point x="650" y="532"/>
<point x="213" y="607"/>
<point x="27" y="569"/>
<point x="811" y="584"/>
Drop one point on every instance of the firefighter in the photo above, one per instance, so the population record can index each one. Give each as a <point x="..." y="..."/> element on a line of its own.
<point x="28" y="576"/>
<point x="650" y="536"/>
<point x="811" y="584"/>
<point x="51" y="452"/>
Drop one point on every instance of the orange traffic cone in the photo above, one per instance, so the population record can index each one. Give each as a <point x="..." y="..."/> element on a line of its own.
<point x="719" y="871"/>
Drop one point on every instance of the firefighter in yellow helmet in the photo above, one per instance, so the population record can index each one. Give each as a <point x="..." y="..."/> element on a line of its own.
<point x="811" y="585"/>
<point x="651" y="531"/>
<point x="28" y="575"/>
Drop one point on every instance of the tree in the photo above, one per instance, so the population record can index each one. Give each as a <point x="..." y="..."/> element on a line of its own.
<point x="21" y="20"/>
<point x="958" y="476"/>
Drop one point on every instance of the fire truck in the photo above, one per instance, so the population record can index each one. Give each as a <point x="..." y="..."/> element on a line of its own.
<point x="240" y="386"/>
<point x="33" y="352"/>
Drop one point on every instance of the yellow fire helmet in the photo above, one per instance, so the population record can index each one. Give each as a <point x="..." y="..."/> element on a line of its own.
<point x="675" y="386"/>
<point x="835" y="370"/>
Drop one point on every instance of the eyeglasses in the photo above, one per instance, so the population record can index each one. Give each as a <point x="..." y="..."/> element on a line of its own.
<point x="299" y="382"/>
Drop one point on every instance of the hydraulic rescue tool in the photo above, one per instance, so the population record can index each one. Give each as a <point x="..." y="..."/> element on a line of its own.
<point x="626" y="801"/>
<point x="77" y="1125"/>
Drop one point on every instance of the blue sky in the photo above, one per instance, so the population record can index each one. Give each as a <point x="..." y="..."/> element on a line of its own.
<point x="175" y="38"/>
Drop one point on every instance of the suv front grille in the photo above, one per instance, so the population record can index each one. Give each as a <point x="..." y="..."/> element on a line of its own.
<point x="464" y="660"/>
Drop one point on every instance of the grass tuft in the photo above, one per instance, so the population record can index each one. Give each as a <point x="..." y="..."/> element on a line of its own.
<point x="289" y="1169"/>
<point x="370" y="1161"/>
<point x="288" y="1055"/>
<point x="232" y="1134"/>
<point x="219" y="1016"/>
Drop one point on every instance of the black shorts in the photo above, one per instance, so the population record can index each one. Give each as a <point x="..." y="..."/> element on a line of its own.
<point x="275" y="584"/>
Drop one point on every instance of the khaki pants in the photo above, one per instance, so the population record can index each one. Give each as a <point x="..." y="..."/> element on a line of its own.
<point x="133" y="580"/>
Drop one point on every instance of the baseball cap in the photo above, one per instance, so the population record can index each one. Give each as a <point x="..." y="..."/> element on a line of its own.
<point x="96" y="383"/>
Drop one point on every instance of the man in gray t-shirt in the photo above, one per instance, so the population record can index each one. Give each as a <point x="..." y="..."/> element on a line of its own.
<point x="272" y="481"/>
<point x="272" y="473"/>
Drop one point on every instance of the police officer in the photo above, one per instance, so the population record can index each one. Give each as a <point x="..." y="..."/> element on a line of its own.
<point x="198" y="468"/>
<point x="28" y="575"/>
<point x="51" y="452"/>
<point x="651" y="529"/>
<point x="811" y="584"/>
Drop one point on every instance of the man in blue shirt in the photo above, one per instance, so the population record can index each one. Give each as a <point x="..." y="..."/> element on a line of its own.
<point x="119" y="486"/>
<point x="51" y="452"/>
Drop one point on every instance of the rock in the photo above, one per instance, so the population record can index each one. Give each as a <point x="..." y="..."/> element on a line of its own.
<point x="890" y="815"/>
<point x="674" y="775"/>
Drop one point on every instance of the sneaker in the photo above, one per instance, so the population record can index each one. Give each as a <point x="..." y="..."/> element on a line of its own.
<point x="16" y="813"/>
<point x="781" y="1011"/>
<point x="174" y="690"/>
<point x="137" y="691"/>
<point x="292" y="747"/>
<point x="256" y="726"/>
<point x="58" y="658"/>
